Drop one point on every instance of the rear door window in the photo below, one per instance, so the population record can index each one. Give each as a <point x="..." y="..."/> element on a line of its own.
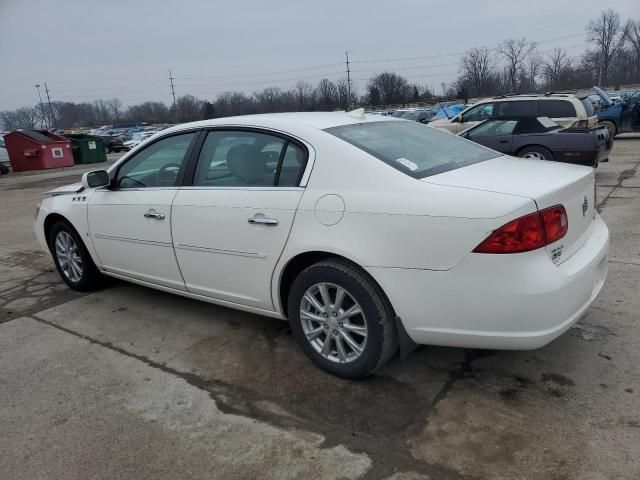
<point x="519" y="108"/>
<point x="556" y="109"/>
<point x="241" y="158"/>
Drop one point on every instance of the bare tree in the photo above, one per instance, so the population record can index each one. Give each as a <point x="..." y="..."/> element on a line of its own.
<point x="606" y="34"/>
<point x="555" y="67"/>
<point x="327" y="94"/>
<point x="633" y="35"/>
<point x="534" y="68"/>
<point x="477" y="67"/>
<point x="115" y="107"/>
<point x="344" y="101"/>
<point x="189" y="108"/>
<point x="25" y="117"/>
<point x="393" y="88"/>
<point x="305" y="95"/>
<point x="515" y="52"/>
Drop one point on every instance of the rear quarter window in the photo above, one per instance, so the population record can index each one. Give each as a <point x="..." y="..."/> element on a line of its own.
<point x="556" y="109"/>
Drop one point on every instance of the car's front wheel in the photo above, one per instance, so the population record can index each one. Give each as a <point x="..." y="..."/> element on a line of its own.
<point x="341" y="320"/>
<point x="73" y="262"/>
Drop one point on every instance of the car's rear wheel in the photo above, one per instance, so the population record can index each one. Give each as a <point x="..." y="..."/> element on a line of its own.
<point x="537" y="152"/>
<point x="613" y="131"/>
<point x="341" y="320"/>
<point x="3" y="169"/>
<point x="72" y="260"/>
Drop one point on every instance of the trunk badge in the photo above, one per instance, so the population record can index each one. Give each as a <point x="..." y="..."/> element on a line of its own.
<point x="585" y="206"/>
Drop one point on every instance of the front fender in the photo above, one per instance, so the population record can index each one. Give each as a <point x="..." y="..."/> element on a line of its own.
<point x="72" y="208"/>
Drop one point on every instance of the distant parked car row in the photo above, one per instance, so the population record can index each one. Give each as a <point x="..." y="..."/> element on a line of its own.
<point x="424" y="114"/>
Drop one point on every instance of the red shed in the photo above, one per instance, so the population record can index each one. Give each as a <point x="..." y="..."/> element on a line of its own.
<point x="37" y="150"/>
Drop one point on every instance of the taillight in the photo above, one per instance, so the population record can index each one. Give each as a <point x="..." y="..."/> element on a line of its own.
<point x="555" y="222"/>
<point x="527" y="233"/>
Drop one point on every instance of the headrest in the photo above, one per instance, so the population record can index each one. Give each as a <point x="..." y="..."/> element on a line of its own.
<point x="246" y="163"/>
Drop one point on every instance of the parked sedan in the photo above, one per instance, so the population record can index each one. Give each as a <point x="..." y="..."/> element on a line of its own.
<point x="543" y="139"/>
<point x="368" y="234"/>
<point x="137" y="139"/>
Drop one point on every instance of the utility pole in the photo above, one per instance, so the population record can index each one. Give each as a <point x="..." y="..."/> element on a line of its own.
<point x="52" y="116"/>
<point x="41" y="106"/>
<point x="346" y="54"/>
<point x="173" y="92"/>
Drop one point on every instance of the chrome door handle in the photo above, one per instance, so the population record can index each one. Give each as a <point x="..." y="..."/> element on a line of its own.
<point x="262" y="220"/>
<point x="157" y="216"/>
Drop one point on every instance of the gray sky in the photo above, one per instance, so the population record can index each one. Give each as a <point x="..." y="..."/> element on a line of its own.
<point x="89" y="49"/>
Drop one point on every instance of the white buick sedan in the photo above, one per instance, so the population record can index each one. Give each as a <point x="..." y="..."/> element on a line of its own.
<point x="368" y="234"/>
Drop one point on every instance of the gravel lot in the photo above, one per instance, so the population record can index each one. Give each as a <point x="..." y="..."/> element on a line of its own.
<point x="131" y="383"/>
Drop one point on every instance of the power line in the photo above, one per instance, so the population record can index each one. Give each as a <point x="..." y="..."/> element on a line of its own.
<point x="242" y="75"/>
<point x="113" y="87"/>
<point x="119" y="94"/>
<point x="260" y="82"/>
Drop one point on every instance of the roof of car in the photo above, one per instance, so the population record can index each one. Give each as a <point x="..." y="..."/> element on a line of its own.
<point x="318" y="120"/>
<point x="526" y="96"/>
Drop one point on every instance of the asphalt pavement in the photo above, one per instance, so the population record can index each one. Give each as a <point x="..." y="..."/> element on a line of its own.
<point x="132" y="383"/>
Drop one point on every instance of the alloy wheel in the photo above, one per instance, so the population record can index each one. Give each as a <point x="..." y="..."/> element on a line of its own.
<point x="535" y="155"/>
<point x="68" y="256"/>
<point x="333" y="322"/>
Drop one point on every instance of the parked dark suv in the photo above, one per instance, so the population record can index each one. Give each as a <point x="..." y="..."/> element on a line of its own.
<point x="111" y="143"/>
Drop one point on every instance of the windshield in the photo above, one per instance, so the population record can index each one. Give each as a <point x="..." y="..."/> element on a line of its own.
<point x="413" y="148"/>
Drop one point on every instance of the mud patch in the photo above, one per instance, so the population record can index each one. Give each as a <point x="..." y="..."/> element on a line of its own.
<point x="557" y="379"/>
<point x="590" y="333"/>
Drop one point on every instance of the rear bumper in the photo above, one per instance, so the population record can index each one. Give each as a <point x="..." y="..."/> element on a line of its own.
<point x="520" y="301"/>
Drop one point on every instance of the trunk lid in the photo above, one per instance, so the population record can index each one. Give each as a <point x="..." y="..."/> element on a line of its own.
<point x="546" y="183"/>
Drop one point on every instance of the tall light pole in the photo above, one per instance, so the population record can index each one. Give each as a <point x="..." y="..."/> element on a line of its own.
<point x="41" y="105"/>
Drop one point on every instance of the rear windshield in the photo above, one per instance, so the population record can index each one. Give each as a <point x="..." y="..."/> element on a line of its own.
<point x="413" y="148"/>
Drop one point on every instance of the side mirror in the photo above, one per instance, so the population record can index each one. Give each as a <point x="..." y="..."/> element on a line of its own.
<point x="97" y="178"/>
<point x="458" y="119"/>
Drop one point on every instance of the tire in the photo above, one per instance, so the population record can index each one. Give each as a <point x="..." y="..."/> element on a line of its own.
<point x="611" y="126"/>
<point x="89" y="278"/>
<point x="4" y="170"/>
<point x="537" y="152"/>
<point x="117" y="150"/>
<point x="376" y="318"/>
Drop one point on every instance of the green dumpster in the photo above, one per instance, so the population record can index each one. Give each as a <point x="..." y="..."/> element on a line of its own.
<point x="87" y="148"/>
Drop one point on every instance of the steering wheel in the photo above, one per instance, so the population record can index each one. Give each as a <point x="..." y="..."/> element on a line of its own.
<point x="164" y="178"/>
